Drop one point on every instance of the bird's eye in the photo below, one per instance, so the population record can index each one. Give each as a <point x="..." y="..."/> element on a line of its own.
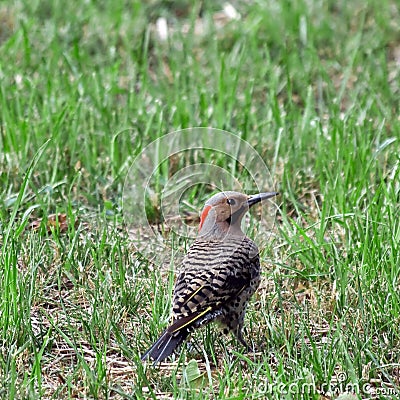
<point x="231" y="202"/>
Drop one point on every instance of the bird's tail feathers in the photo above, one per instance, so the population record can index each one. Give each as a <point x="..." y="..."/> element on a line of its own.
<point x="165" y="345"/>
<point x="172" y="337"/>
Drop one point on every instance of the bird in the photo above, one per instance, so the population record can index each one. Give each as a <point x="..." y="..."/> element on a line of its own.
<point x="218" y="276"/>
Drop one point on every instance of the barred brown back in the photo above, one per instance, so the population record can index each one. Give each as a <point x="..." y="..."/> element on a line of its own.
<point x="219" y="274"/>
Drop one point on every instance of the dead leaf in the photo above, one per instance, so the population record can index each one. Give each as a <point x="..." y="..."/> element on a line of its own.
<point x="54" y="221"/>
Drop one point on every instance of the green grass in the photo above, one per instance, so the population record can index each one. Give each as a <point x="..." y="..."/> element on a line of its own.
<point x="86" y="86"/>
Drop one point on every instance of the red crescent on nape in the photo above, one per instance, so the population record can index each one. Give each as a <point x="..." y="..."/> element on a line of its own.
<point x="204" y="215"/>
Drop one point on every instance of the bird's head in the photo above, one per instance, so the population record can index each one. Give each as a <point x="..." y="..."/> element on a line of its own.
<point x="222" y="214"/>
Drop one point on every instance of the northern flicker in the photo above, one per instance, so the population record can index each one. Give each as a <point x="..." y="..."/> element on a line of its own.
<point x="219" y="274"/>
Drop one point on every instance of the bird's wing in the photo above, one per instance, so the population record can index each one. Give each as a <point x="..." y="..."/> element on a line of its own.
<point x="210" y="278"/>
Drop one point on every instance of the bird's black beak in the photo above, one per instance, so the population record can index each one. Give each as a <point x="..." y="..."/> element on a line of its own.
<point x="260" y="197"/>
